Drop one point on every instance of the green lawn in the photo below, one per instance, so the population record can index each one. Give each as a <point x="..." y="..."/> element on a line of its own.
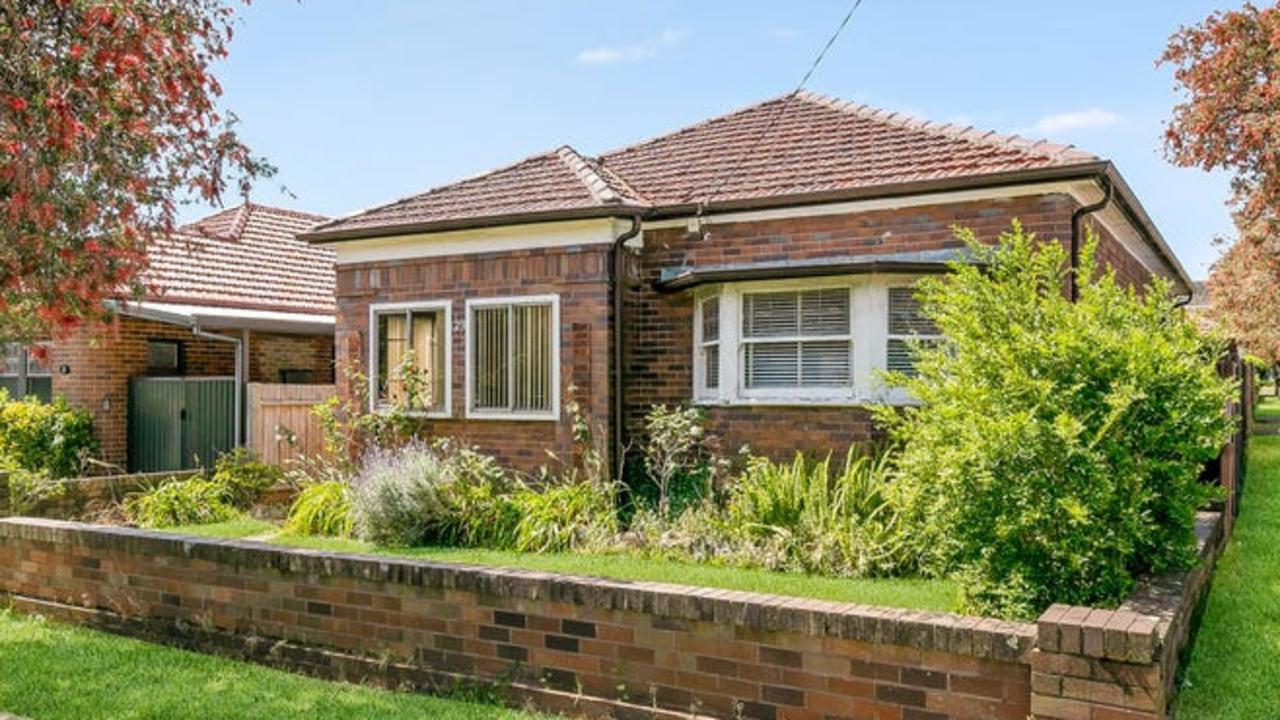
<point x="915" y="594"/>
<point x="52" y="671"/>
<point x="1234" y="667"/>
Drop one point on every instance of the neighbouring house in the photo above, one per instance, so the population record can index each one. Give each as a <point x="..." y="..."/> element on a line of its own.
<point x="235" y="298"/>
<point x="768" y="280"/>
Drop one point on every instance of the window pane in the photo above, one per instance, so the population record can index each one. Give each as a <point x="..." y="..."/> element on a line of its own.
<point x="711" y="366"/>
<point x="824" y="312"/>
<point x="825" y="364"/>
<point x="531" y="356"/>
<point x="711" y="319"/>
<point x="770" y="314"/>
<point x="905" y="315"/>
<point x="37" y="365"/>
<point x="393" y="344"/>
<point x="12" y="359"/>
<point x="427" y="343"/>
<point x="164" y="357"/>
<point x="902" y="354"/>
<point x="490" y="358"/>
<point x="770" y="365"/>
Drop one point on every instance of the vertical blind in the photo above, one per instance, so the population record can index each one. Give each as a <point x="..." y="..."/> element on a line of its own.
<point x="512" y="358"/>
<point x="908" y="326"/>
<point x="797" y="339"/>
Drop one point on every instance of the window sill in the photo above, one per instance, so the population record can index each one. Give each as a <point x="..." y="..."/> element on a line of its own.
<point x="509" y="416"/>
<point x="893" y="400"/>
<point x="422" y="414"/>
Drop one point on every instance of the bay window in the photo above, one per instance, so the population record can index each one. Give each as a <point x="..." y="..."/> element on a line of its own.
<point x="513" y="358"/>
<point x="806" y="341"/>
<point x="409" y="353"/>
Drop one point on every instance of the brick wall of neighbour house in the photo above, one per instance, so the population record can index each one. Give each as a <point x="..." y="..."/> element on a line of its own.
<point x="270" y="353"/>
<point x="659" y="361"/>
<point x="574" y="645"/>
<point x="101" y="361"/>
<point x="579" y="275"/>
<point x="589" y="646"/>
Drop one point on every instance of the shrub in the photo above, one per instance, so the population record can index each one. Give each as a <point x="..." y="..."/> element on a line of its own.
<point x="680" y="459"/>
<point x="322" y="508"/>
<point x="195" y="501"/>
<point x="244" y="477"/>
<point x="28" y="489"/>
<point x="1057" y="447"/>
<point x="49" y="437"/>
<point x="802" y="516"/>
<point x="444" y="494"/>
<point x="559" y="518"/>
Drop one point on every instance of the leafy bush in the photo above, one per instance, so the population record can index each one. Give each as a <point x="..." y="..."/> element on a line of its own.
<point x="28" y="489"/>
<point x="244" y="477"/>
<point x="322" y="508"/>
<point x="49" y="437"/>
<point x="680" y="460"/>
<point x="802" y="516"/>
<point x="195" y="501"/>
<point x="1057" y="447"/>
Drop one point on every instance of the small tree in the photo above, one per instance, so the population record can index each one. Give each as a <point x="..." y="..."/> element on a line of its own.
<point x="1057" y="447"/>
<point x="108" y="119"/>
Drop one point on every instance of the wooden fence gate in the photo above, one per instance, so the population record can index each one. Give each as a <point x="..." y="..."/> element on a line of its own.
<point x="281" y="424"/>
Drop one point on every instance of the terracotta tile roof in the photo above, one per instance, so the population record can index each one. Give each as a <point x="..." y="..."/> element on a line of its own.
<point x="247" y="256"/>
<point x="817" y="144"/>
<point x="813" y="144"/>
<point x="559" y="180"/>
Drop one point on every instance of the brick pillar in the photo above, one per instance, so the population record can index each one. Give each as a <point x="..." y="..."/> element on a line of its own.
<point x="1091" y="664"/>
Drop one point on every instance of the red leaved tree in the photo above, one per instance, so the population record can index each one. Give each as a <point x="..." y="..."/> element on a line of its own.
<point x="1229" y="69"/>
<point x="108" y="120"/>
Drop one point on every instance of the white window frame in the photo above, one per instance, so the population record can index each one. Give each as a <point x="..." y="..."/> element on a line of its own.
<point x="444" y="306"/>
<point x="553" y="414"/>
<point x="869" y="325"/>
<point x="700" y="344"/>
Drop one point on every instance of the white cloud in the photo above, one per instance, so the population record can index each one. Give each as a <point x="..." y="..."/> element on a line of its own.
<point x="1078" y="120"/>
<point x="638" y="51"/>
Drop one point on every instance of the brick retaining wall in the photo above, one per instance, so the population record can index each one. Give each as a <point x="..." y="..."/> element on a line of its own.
<point x="567" y="644"/>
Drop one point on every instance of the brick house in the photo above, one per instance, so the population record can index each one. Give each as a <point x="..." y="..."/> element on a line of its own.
<point x="766" y="260"/>
<point x="236" y="298"/>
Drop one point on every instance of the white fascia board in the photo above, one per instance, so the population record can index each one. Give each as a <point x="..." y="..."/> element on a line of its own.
<point x="213" y="317"/>
<point x="503" y="238"/>
<point x="878" y="204"/>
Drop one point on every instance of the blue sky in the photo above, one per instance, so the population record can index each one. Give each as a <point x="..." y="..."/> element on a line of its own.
<point x="362" y="103"/>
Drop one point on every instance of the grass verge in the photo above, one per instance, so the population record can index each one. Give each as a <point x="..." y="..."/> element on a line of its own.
<point x="1234" y="667"/>
<point x="909" y="593"/>
<point x="53" y="671"/>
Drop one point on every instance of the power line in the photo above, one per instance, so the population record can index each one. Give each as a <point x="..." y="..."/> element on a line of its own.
<point x="781" y="108"/>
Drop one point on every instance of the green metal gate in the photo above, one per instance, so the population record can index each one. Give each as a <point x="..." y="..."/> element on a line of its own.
<point x="180" y="423"/>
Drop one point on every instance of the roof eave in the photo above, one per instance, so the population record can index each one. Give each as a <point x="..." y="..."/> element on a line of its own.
<point x="324" y="237"/>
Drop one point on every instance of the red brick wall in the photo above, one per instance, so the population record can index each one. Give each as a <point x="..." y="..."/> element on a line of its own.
<point x="579" y="275"/>
<point x="574" y="645"/>
<point x="269" y="353"/>
<point x="102" y="361"/>
<point x="658" y="355"/>
<point x="659" y="366"/>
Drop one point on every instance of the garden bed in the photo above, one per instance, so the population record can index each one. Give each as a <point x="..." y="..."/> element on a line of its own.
<point x="909" y="593"/>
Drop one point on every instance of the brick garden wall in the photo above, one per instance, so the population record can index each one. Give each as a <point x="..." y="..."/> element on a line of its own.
<point x="619" y="648"/>
<point x="604" y="647"/>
